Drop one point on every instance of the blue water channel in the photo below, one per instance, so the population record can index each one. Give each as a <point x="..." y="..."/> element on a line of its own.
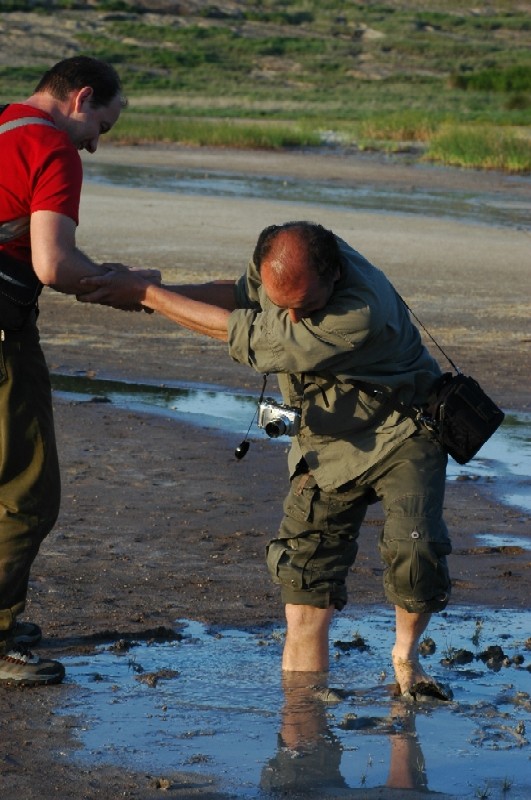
<point x="212" y="705"/>
<point x="481" y="207"/>
<point x="504" y="463"/>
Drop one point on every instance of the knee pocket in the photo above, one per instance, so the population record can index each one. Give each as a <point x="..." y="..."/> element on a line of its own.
<point x="416" y="570"/>
<point x="317" y="540"/>
<point x="288" y="560"/>
<point x="311" y="561"/>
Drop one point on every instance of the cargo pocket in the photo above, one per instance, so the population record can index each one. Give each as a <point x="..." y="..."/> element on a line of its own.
<point x="289" y="560"/>
<point x="299" y="504"/>
<point x="416" y="575"/>
<point x="289" y="555"/>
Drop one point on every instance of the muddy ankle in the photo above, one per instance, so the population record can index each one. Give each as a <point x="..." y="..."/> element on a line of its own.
<point x="414" y="684"/>
<point x="408" y="672"/>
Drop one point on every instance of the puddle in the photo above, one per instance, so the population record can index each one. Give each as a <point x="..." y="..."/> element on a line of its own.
<point x="504" y="462"/>
<point x="496" y="540"/>
<point x="212" y="704"/>
<point x="227" y="412"/>
<point x="483" y="208"/>
<point x="506" y="459"/>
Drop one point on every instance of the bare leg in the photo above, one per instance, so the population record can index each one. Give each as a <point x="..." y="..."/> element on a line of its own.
<point x="306" y="648"/>
<point x="410" y="676"/>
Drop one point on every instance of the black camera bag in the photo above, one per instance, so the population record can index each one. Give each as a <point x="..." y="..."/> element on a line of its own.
<point x="464" y="417"/>
<point x="459" y="412"/>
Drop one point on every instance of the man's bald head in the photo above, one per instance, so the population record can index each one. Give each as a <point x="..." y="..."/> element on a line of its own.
<point x="309" y="240"/>
<point x="299" y="263"/>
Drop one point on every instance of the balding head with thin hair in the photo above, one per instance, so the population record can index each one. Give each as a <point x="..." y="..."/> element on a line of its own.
<point x="299" y="263"/>
<point x="321" y="245"/>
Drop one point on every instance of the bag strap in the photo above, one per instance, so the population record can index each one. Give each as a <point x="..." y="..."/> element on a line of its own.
<point x="426" y="331"/>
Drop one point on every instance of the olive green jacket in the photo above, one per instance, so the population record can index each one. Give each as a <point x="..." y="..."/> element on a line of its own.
<point x="327" y="364"/>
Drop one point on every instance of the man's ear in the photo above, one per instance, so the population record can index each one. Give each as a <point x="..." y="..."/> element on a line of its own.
<point x="83" y="97"/>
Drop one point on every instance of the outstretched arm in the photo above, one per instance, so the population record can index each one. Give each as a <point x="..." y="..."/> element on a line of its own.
<point x="204" y="308"/>
<point x="215" y="293"/>
<point x="60" y="264"/>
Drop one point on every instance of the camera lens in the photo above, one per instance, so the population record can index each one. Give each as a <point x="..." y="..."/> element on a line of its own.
<point x="275" y="428"/>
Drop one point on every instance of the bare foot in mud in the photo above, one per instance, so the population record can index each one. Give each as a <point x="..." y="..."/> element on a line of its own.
<point x="415" y="684"/>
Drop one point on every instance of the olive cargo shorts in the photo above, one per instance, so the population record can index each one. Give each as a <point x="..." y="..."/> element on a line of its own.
<point x="317" y="540"/>
<point x="29" y="470"/>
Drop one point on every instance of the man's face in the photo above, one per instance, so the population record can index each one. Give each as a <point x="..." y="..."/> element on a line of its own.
<point x="85" y="124"/>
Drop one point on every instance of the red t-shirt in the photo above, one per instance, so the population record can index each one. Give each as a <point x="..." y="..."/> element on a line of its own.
<point x="40" y="170"/>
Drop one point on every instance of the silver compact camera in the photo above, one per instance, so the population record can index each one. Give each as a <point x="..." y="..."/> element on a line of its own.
<point x="277" y="419"/>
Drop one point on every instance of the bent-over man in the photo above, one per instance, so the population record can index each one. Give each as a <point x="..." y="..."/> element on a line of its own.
<point x="332" y="328"/>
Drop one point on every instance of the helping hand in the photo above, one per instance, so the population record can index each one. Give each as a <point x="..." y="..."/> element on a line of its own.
<point x="119" y="288"/>
<point x="153" y="275"/>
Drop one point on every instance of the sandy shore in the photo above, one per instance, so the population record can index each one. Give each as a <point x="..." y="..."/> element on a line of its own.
<point x="156" y="523"/>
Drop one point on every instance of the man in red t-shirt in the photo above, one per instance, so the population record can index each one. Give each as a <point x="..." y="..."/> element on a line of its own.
<point x="75" y="102"/>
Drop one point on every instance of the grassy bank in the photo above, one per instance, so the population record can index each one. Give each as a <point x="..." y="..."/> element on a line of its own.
<point x="443" y="80"/>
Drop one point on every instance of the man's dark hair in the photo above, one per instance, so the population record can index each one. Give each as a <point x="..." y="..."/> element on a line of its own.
<point x="323" y="250"/>
<point x="77" y="72"/>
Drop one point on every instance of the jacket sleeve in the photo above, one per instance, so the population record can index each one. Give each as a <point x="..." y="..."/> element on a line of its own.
<point x="265" y="338"/>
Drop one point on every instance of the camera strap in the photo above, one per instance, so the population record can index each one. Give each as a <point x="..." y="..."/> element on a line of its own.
<point x="243" y="447"/>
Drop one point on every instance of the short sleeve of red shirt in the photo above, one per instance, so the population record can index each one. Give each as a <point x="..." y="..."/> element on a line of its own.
<point x="57" y="180"/>
<point x="41" y="169"/>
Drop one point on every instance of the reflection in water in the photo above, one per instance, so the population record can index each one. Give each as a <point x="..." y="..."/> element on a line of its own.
<point x="212" y="704"/>
<point x="309" y="753"/>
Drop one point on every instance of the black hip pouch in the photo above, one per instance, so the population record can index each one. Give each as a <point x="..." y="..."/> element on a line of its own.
<point x="465" y="417"/>
<point x="19" y="291"/>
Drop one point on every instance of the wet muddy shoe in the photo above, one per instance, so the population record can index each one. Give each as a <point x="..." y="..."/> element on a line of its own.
<point x="19" y="667"/>
<point x="25" y="633"/>
<point x="426" y="691"/>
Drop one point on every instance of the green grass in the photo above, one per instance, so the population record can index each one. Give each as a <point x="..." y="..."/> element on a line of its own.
<point x="451" y="82"/>
<point x="217" y="133"/>
<point x="484" y="147"/>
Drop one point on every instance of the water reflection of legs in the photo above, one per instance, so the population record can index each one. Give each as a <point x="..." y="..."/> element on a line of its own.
<point x="309" y="753"/>
<point x="406" y="766"/>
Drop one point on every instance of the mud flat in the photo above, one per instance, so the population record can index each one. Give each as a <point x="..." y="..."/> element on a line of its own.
<point x="160" y="523"/>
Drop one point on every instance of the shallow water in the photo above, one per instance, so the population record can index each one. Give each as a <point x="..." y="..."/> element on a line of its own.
<point x="212" y="704"/>
<point x="484" y="208"/>
<point x="504" y="462"/>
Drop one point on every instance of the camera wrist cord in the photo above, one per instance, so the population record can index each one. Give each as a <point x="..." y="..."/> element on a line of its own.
<point x="243" y="447"/>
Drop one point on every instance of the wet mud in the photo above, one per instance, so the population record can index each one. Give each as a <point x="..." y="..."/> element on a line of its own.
<point x="162" y="528"/>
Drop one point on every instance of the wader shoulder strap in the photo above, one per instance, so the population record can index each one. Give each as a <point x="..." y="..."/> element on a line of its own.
<point x="23" y="121"/>
<point x="17" y="227"/>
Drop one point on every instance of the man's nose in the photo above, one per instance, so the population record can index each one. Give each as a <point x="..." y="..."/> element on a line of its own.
<point x="294" y="315"/>
<point x="92" y="144"/>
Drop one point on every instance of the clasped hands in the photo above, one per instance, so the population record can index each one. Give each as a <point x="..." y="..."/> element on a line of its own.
<point x="120" y="287"/>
